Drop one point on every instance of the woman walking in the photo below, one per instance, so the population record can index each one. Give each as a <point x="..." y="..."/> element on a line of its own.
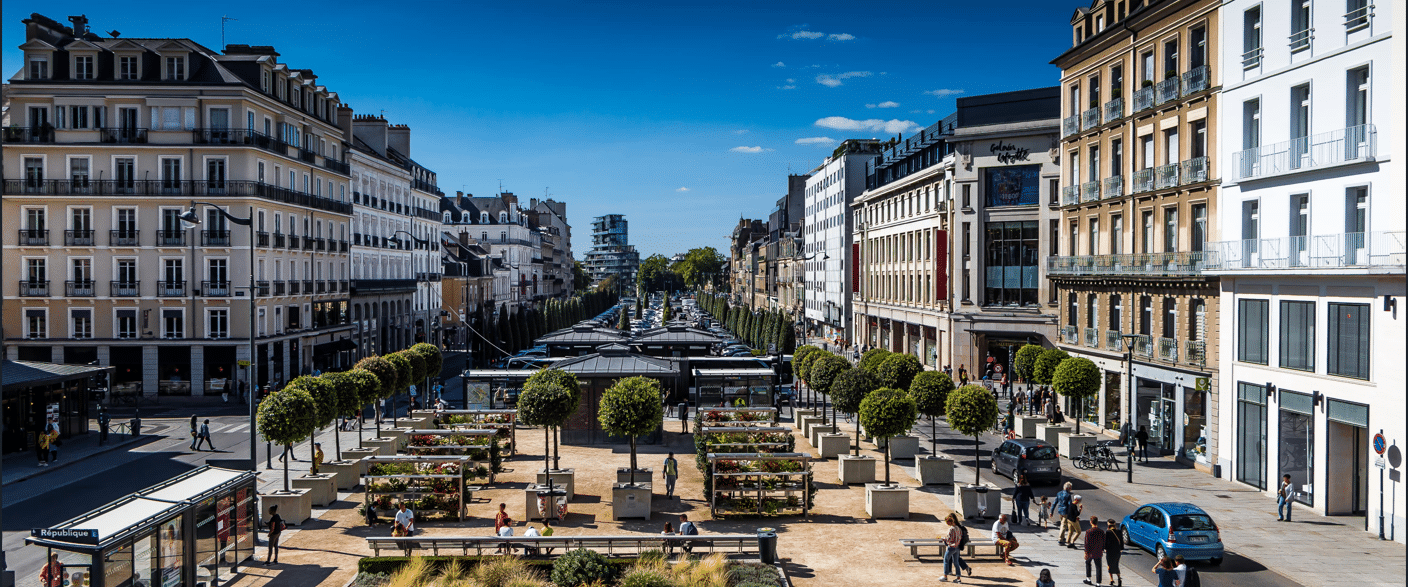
<point x="1022" y="501"/>
<point x="954" y="540"/>
<point x="1114" y="543"/>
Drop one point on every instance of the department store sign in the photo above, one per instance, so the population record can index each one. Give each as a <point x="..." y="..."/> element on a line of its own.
<point x="1008" y="152"/>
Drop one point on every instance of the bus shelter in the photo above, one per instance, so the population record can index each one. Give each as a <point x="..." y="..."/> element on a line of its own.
<point x="755" y="386"/>
<point x="493" y="388"/>
<point x="179" y="533"/>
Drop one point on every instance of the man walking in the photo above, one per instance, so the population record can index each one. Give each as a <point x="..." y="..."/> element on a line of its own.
<point x="1283" y="499"/>
<point x="672" y="472"/>
<point x="103" y="422"/>
<point x="1094" y="549"/>
<point x="1063" y="501"/>
<point x="1142" y="437"/>
<point x="204" y="436"/>
<point x="195" y="432"/>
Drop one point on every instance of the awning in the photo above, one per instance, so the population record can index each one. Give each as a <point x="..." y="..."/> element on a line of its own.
<point x="335" y="346"/>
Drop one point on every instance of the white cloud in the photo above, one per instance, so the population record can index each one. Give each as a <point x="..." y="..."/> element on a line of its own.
<point x="790" y="80"/>
<point x="816" y="141"/>
<point x="787" y="87"/>
<point x="885" y="104"/>
<point x="801" y="34"/>
<point x="751" y="150"/>
<point x="840" y="37"/>
<point x="683" y="189"/>
<point x="831" y="81"/>
<point x="943" y="92"/>
<point x="779" y="64"/>
<point x="873" y="124"/>
<point x="929" y="111"/>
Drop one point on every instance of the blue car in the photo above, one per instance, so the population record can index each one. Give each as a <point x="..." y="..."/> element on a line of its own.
<point x="1170" y="529"/>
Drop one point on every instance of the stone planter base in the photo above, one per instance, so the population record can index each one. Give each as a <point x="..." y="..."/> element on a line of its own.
<point x="322" y="488"/>
<point x="798" y="415"/>
<point x="1051" y="432"/>
<point x="807" y="423"/>
<point x="1026" y="425"/>
<point x="817" y="431"/>
<point x="903" y="447"/>
<point x="967" y="499"/>
<point x="416" y="422"/>
<point x="883" y="501"/>
<point x="623" y="475"/>
<point x="357" y="454"/>
<point x="1073" y="445"/>
<point x="295" y="506"/>
<point x="834" y="445"/>
<point x="384" y="446"/>
<point x="345" y="474"/>
<point x="561" y="479"/>
<point x="853" y="469"/>
<point x="393" y="433"/>
<point x="934" y="470"/>
<point x="630" y="501"/>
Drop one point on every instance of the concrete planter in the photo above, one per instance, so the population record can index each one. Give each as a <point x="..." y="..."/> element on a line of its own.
<point x="934" y="470"/>
<point x="416" y="422"/>
<point x="357" y="454"/>
<point x="561" y="478"/>
<point x="853" y="469"/>
<point x="903" y="447"/>
<point x="818" y="430"/>
<point x="1073" y="445"/>
<point x="623" y="475"/>
<point x="798" y="415"/>
<point x="322" y="488"/>
<point x="630" y="501"/>
<point x="833" y="445"/>
<point x="530" y="499"/>
<point x="882" y="501"/>
<point x="1026" y="425"/>
<point x="1051" y="433"/>
<point x="968" y="497"/>
<point x="345" y="474"/>
<point x="807" y="423"/>
<point x="384" y="446"/>
<point x="295" y="505"/>
<point x="394" y="433"/>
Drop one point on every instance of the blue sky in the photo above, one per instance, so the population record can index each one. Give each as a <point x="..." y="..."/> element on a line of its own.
<point x="683" y="116"/>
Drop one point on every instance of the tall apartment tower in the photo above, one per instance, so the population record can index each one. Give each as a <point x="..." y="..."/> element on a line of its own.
<point x="612" y="253"/>
<point x="826" y="236"/>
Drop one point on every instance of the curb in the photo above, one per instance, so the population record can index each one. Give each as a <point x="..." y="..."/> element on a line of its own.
<point x="56" y="466"/>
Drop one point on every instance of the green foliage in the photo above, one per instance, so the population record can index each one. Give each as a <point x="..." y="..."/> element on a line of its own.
<point x="403" y="370"/>
<point x="324" y="394"/>
<point x="1026" y="360"/>
<point x="631" y="407"/>
<point x="897" y="371"/>
<point x="567" y="380"/>
<point x="287" y="416"/>
<point x="850" y="387"/>
<point x="624" y="324"/>
<point x="930" y="391"/>
<point x="582" y="567"/>
<point x="1077" y="377"/>
<point x="872" y="359"/>
<point x="971" y="409"/>
<point x="888" y="412"/>
<point x="349" y="396"/>
<point x="1046" y="363"/>
<point x="418" y="370"/>
<point x="434" y="360"/>
<point x="385" y="374"/>
<point x="367" y="384"/>
<point x="824" y="371"/>
<point x="544" y="404"/>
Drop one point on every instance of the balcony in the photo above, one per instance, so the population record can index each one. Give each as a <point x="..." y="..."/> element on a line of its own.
<point x="1090" y="119"/>
<point x="320" y="244"/>
<point x="129" y="136"/>
<point x="1178" y="264"/>
<point x="307" y="156"/>
<point x="1166" y="176"/>
<point x="1300" y="40"/>
<point x="1068" y="334"/>
<point x="1113" y="341"/>
<point x="80" y="289"/>
<point x="1195" y="352"/>
<point x="26" y="134"/>
<point x="1144" y="345"/>
<point x="1166" y="91"/>
<point x="308" y="286"/>
<point x="1070" y="125"/>
<point x="261" y="238"/>
<point x="343" y="246"/>
<point x="1252" y="59"/>
<point x="278" y="241"/>
<point x="170" y="238"/>
<point x="34" y="289"/>
<point x="322" y="286"/>
<point x="293" y="287"/>
<point x="292" y="242"/>
<point x="342" y="286"/>
<point x="124" y="238"/>
<point x="78" y="238"/>
<point x="1358" y="18"/>
<point x="1144" y="98"/>
<point x="171" y="289"/>
<point x="425" y="186"/>
<point x="338" y="166"/>
<point x="1143" y="180"/>
<point x="215" y="289"/>
<point x="125" y="289"/>
<point x="1113" y="187"/>
<point x="1194" y="170"/>
<point x="261" y="289"/>
<point x="1168" y="349"/>
<point x="1114" y="110"/>
<point x="377" y="286"/>
<point x="1354" y="144"/>
<point x="1090" y="191"/>
<point x="1195" y="80"/>
<point x="1375" y="251"/>
<point x="30" y="237"/>
<point x="308" y="243"/>
<point x="215" y="238"/>
<point x="279" y="288"/>
<point x="173" y="188"/>
<point x="1092" y="337"/>
<point x="1070" y="195"/>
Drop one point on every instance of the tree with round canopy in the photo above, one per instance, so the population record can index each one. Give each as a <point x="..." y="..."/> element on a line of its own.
<point x="569" y="382"/>
<point x="897" y="371"/>
<point x="887" y="413"/>
<point x="801" y="364"/>
<point x="286" y="417"/>
<point x="1026" y="360"/>
<point x="368" y="391"/>
<point x="1077" y="378"/>
<point x="870" y="360"/>
<point x="1045" y="366"/>
<point x="823" y="373"/>
<point x="325" y="399"/>
<point x="403" y="379"/>
<point x="348" y="396"/>
<point x="631" y="408"/>
<point x="971" y="410"/>
<point x="385" y="374"/>
<point x="546" y="404"/>
<point x="847" y="392"/>
<point x="930" y="391"/>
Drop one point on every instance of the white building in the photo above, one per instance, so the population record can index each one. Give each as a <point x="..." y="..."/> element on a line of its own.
<point x="826" y="234"/>
<point x="1312" y="273"/>
<point x="499" y="225"/>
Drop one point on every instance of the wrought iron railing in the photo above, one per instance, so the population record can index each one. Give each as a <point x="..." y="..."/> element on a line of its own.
<point x="278" y="241"/>
<point x="1195" y="352"/>
<point x="135" y="136"/>
<point x="338" y="166"/>
<point x="1184" y="263"/>
<point x="1195" y="80"/>
<point x="279" y="288"/>
<point x="1194" y="170"/>
<point x="1113" y="340"/>
<point x="1144" y="345"/>
<point x="1114" y="110"/>
<point x="215" y="289"/>
<point x="124" y="238"/>
<point x="170" y="238"/>
<point x="78" y="238"/>
<point x="1092" y="337"/>
<point x="1347" y="145"/>
<point x="1168" y="349"/>
<point x="30" y="288"/>
<point x="215" y="238"/>
<point x="261" y="239"/>
<point x="1166" y="176"/>
<point x="1113" y="187"/>
<point x="28" y="134"/>
<point x="293" y="287"/>
<point x="1070" y="125"/>
<point x="1090" y="191"/>
<point x="1329" y="251"/>
<point x="170" y="289"/>
<point x="1143" y="180"/>
<point x="32" y="237"/>
<point x="261" y="288"/>
<point x="125" y="289"/>
<point x="1068" y="334"/>
<point x="80" y="288"/>
<point x="172" y="188"/>
<point x="1090" y="118"/>
<point x="1144" y="98"/>
<point x="1070" y="195"/>
<point x="1167" y="90"/>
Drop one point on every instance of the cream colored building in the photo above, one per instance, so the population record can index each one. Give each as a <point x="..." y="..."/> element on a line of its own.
<point x="111" y="139"/>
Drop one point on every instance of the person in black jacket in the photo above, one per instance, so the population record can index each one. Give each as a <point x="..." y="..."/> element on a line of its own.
<point x="1142" y="437"/>
<point x="1114" y="544"/>
<point x="1022" y="501"/>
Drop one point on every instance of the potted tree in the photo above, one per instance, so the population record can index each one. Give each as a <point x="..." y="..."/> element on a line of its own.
<point x="368" y="389"/>
<point x="1042" y="372"/>
<point x="930" y="391"/>
<point x="872" y="359"/>
<point x="322" y="486"/>
<point x="545" y="404"/>
<point x="801" y="363"/>
<point x="971" y="411"/>
<point x="847" y="391"/>
<point x="385" y="374"/>
<point x="824" y="370"/>
<point x="631" y="408"/>
<point x="897" y="371"/>
<point x="417" y="378"/>
<point x="344" y="387"/>
<point x="287" y="417"/>
<point x="1079" y="379"/>
<point x="1023" y="364"/>
<point x="404" y="372"/>
<point x="886" y="413"/>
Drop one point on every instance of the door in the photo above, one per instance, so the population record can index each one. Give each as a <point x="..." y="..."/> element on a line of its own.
<point x="220" y="125"/>
<point x="1140" y="529"/>
<point x="1251" y="230"/>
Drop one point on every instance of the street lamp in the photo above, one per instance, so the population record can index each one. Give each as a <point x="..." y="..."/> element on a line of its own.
<point x="192" y="217"/>
<point x="425" y="243"/>
<point x="1130" y="417"/>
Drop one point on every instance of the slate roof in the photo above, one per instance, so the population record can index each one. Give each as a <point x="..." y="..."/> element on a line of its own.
<point x="675" y="335"/>
<point x="583" y="334"/>
<point x="23" y="374"/>
<point x="617" y="360"/>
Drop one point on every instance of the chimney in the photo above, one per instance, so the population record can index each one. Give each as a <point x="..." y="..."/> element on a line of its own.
<point x="371" y="130"/>
<point x="398" y="136"/>
<point x="80" y="25"/>
<point x="344" y="121"/>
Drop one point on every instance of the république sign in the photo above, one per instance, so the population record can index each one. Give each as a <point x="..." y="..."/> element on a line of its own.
<point x="70" y="535"/>
<point x="1008" y="152"/>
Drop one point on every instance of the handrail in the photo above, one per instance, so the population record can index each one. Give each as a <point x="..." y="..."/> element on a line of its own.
<point x="744" y="544"/>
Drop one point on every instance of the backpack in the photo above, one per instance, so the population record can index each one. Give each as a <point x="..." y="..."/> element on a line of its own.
<point x="688" y="529"/>
<point x="963" y="536"/>
<point x="1190" y="578"/>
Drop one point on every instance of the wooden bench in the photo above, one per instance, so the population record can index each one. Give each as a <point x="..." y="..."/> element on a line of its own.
<point x="915" y="544"/>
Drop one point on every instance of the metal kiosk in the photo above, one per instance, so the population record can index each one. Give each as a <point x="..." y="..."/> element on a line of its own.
<point x="178" y="533"/>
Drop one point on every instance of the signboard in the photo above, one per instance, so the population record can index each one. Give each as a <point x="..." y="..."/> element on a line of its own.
<point x="772" y="348"/>
<point x="1379" y="462"/>
<point x="1013" y="186"/>
<point x="243" y="363"/>
<point x="1202" y="384"/>
<point x="1380" y="445"/>
<point x="70" y="535"/>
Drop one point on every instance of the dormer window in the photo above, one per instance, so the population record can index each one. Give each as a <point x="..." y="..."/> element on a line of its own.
<point x="175" y="68"/>
<point x="127" y="67"/>
<point x="38" y="68"/>
<point x="83" y="67"/>
<point x="264" y="80"/>
<point x="483" y="217"/>
<point x="295" y="98"/>
<point x="503" y="217"/>
<point x="447" y="218"/>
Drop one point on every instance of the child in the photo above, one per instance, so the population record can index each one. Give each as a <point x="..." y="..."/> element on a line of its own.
<point x="1044" y="513"/>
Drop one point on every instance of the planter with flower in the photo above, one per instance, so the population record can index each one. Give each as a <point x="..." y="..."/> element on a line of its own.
<point x="502" y="422"/>
<point x="759" y="484"/>
<point x="481" y="446"/>
<point x="431" y="486"/>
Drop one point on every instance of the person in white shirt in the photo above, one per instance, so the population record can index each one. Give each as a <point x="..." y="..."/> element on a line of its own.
<point x="531" y="531"/>
<point x="1003" y="538"/>
<point x="405" y="520"/>
<point x="504" y="531"/>
<point x="1180" y="569"/>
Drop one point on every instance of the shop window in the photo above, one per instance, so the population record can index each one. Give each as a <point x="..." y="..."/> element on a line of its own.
<point x="1296" y="445"/>
<point x="1251" y="434"/>
<point x="1012" y="251"/>
<point x="1297" y="340"/>
<point x="1252" y="324"/>
<point x="1349" y="340"/>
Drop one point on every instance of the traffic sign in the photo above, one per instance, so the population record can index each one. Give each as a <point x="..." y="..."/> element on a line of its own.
<point x="244" y="363"/>
<point x="772" y="348"/>
<point x="1379" y="462"/>
<point x="1380" y="445"/>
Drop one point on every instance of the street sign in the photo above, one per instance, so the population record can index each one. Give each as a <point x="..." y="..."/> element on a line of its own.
<point x="244" y="363"/>
<point x="1380" y="445"/>
<point x="772" y="348"/>
<point x="1202" y="384"/>
<point x="1379" y="462"/>
<point x="70" y="535"/>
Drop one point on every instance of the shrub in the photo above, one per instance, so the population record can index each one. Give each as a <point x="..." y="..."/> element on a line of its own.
<point x="429" y="353"/>
<point x="1077" y="378"/>
<point x="404" y="371"/>
<point x="871" y="360"/>
<point x="897" y="371"/>
<point x="385" y="374"/>
<point x="582" y="567"/>
<point x="1046" y="363"/>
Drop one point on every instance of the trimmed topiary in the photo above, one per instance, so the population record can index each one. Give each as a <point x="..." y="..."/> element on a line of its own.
<point x="1026" y="360"/>
<point x="631" y="408"/>
<point x="1046" y="363"/>
<point x="1077" y="378"/>
<point x="385" y="374"/>
<point x="971" y="410"/>
<point x="887" y="413"/>
<point x="897" y="371"/>
<point x="930" y="391"/>
<point x="871" y="360"/>
<point x="582" y="567"/>
<point x="286" y="417"/>
<point x="849" y="390"/>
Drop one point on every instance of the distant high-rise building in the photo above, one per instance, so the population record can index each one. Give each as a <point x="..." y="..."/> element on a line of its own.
<point x="611" y="252"/>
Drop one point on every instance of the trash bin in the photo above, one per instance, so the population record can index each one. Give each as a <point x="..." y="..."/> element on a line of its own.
<point x="767" y="545"/>
<point x="982" y="500"/>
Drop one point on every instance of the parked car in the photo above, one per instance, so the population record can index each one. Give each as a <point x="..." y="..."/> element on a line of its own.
<point x="1170" y="529"/>
<point x="1036" y="458"/>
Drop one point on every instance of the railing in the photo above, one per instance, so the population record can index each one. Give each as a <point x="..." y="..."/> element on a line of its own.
<point x="1092" y="337"/>
<point x="215" y="238"/>
<point x="278" y="241"/>
<point x="278" y="288"/>
<point x="1194" y="170"/>
<point x="342" y="246"/>
<point x="307" y="156"/>
<point x="1090" y="191"/>
<point x="1178" y="264"/>
<point x="261" y="288"/>
<point x="124" y="238"/>
<point x="1167" y="90"/>
<point x="1068" y="334"/>
<point x="173" y="188"/>
<point x="1195" y="80"/>
<point x="1070" y="195"/>
<point x="308" y="286"/>
<point x="1113" y="340"/>
<point x="1252" y="59"/>
<point x="1168" y="349"/>
<point x="1114" y="110"/>
<point x="1090" y="118"/>
<point x="745" y="545"/>
<point x="170" y="238"/>
<point x="320" y="244"/>
<point x="170" y="289"/>
<point x="261" y="239"/>
<point x="135" y="136"/>
<point x="293" y="287"/>
<point x="1114" y="187"/>
<point x="338" y="166"/>
<point x="1166" y="176"/>
<point x="215" y="289"/>
<point x="308" y="243"/>
<point x="78" y="238"/>
<point x="125" y="289"/>
<point x="1144" y="99"/>
<point x="80" y="289"/>
<point x="1195" y="352"/>
<point x="322" y="287"/>
<point x="1144" y="345"/>
<point x="292" y="241"/>
<point x="1347" y="145"/>
<point x="30" y="237"/>
<point x="27" y="134"/>
<point x="364" y="286"/>
<point x="1331" y="251"/>
<point x="34" y="289"/>
<point x="1358" y="18"/>
<point x="1070" y="125"/>
<point x="425" y="186"/>
<point x="342" y="286"/>
<point x="1300" y="40"/>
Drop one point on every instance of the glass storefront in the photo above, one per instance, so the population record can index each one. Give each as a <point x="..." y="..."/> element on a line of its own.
<point x="1296" y="447"/>
<point x="1251" y="434"/>
<point x="1156" y="409"/>
<point x="1195" y="425"/>
<point x="1113" y="385"/>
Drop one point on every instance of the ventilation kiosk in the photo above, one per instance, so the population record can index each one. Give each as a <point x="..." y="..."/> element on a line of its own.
<point x="193" y="530"/>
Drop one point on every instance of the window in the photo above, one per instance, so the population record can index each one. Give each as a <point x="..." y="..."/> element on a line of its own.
<point x="1012" y="186"/>
<point x="1251" y="434"/>
<point x="126" y="326"/>
<point x="1357" y="104"/>
<point x="1116" y="314"/>
<point x="1253" y="319"/>
<point x="1094" y="156"/>
<point x="1199" y="229"/>
<point x="83" y="67"/>
<point x="173" y="323"/>
<point x="1092" y="311"/>
<point x="1301" y="33"/>
<point x="1146" y="237"/>
<point x="38" y="68"/>
<point x="1116" y="234"/>
<point x="1094" y="245"/>
<point x="1011" y="263"/>
<point x="1075" y="239"/>
<point x="1146" y="315"/>
<point x="1146" y="67"/>
<point x="1170" y="318"/>
<point x="1251" y="37"/>
<point x="1072" y="309"/>
<point x="78" y="118"/>
<point x="78" y="171"/>
<point x="36" y="323"/>
<point x="82" y="322"/>
<point x="1199" y="143"/>
<point x="1349" y="340"/>
<point x="175" y="68"/>
<point x="1171" y="145"/>
<point x="1197" y="47"/>
<point x="1171" y="58"/>
<point x="127" y="67"/>
<point x="1171" y="230"/>
<point x="1146" y="151"/>
<point x="1297" y="344"/>
<point x="218" y="323"/>
<point x="1116" y="158"/>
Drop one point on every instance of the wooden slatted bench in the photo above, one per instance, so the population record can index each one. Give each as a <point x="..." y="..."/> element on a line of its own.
<point x="914" y="544"/>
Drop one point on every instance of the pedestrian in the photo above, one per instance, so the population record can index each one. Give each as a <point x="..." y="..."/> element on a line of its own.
<point x="41" y="448"/>
<point x="204" y="436"/>
<point x="1283" y="499"/>
<point x="276" y="527"/>
<point x="687" y="528"/>
<point x="672" y="472"/>
<point x="1180" y="570"/>
<point x="1094" y="550"/>
<point x="962" y="375"/>
<point x="136" y="423"/>
<point x="317" y="457"/>
<point x="505" y="531"/>
<point x="501" y="518"/>
<point x="952" y="557"/>
<point x="1044" y="579"/>
<point x="1063" y="502"/>
<point x="1164" y="570"/>
<point x="1022" y="501"/>
<point x="195" y="432"/>
<point x="52" y="575"/>
<point x="1050" y="411"/>
<point x="546" y="531"/>
<point x="1070" y="523"/>
<point x="104" y="421"/>
<point x="1142" y="437"/>
<point x="405" y="524"/>
<point x="53" y="435"/>
<point x="531" y="532"/>
<point x="1043" y="513"/>
<point x="1003" y="538"/>
<point x="1114" y="547"/>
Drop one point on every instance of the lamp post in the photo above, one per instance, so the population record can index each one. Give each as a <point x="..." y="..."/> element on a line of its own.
<point x="192" y="217"/>
<point x="424" y="243"/>
<point x="1129" y="418"/>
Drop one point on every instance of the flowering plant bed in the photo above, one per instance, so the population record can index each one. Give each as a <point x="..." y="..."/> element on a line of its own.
<point x="736" y="416"/>
<point x="504" y="423"/>
<point x="759" y="484"/>
<point x="478" y="445"/>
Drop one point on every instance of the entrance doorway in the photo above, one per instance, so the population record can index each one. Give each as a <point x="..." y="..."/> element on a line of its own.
<point x="1347" y="453"/>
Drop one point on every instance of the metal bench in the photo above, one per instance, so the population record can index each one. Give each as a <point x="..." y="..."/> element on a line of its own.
<point x="741" y="544"/>
<point x="973" y="548"/>
<point x="915" y="544"/>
